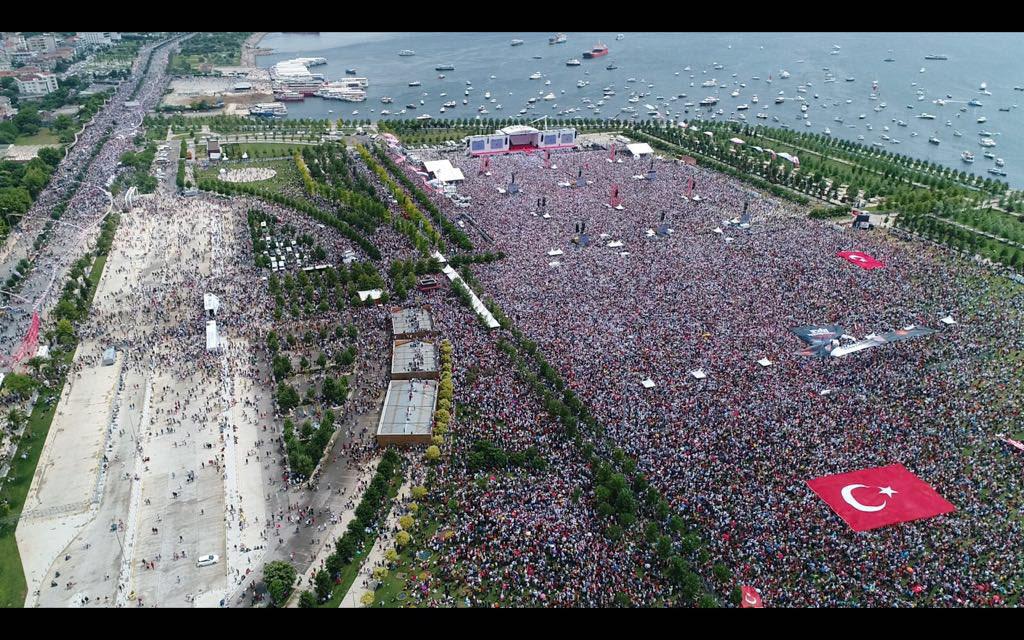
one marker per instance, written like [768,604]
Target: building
[98,38]
[36,84]
[414,359]
[211,305]
[41,43]
[408,413]
[6,110]
[213,149]
[411,323]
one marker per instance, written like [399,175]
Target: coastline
[250,49]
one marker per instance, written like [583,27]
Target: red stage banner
[873,498]
[862,260]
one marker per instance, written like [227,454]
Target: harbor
[803,83]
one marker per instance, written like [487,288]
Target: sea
[656,64]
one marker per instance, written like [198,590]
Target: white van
[206,561]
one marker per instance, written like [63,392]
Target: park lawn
[267,149]
[44,136]
[12,576]
[287,173]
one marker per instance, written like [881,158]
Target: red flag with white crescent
[751,599]
[877,497]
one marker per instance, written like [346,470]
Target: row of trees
[352,547]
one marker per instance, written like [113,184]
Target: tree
[307,600]
[65,331]
[279,577]
[402,538]
[324,585]
[433,453]
[367,599]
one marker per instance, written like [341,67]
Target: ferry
[516,43]
[937,56]
[268,110]
[573,62]
[406,53]
[444,67]
[415,83]
[558,38]
[289,96]
[598,51]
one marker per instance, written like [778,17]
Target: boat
[975,103]
[957,133]
[612,66]
[558,38]
[385,112]
[779,100]
[936,56]
[709,101]
[573,62]
[989,155]
[406,53]
[516,43]
[828,131]
[933,140]
[987,142]
[350,72]
[268,110]
[997,172]
[444,67]
[1000,162]
[425,116]
[753,99]
[620,37]
[743,107]
[410,106]
[1004,109]
[889,60]
[926,116]
[762,115]
[415,83]
[536,76]
[289,96]
[982,119]
[784,74]
[550,96]
[850,79]
[581,83]
[451,104]
[597,51]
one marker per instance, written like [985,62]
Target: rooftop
[408,408]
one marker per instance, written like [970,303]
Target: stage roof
[518,130]
[640,149]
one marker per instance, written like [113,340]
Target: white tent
[648,383]
[372,294]
[736,141]
[699,374]
[444,171]
[765,362]
[211,335]
[555,252]
[947,320]
[615,244]
[640,149]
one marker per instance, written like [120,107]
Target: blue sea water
[996,59]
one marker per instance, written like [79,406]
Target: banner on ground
[751,598]
[820,339]
[861,259]
[878,497]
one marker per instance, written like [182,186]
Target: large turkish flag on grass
[861,259]
[872,498]
[751,599]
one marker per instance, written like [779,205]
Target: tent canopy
[640,149]
[444,171]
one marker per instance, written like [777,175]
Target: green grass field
[44,136]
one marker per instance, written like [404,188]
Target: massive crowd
[733,451]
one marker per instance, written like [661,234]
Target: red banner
[751,598]
[861,259]
[872,498]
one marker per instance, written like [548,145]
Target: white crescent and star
[749,599]
[847,493]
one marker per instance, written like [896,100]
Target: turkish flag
[861,259]
[872,498]
[751,598]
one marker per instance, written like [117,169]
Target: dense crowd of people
[733,451]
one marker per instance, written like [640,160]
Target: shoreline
[250,49]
